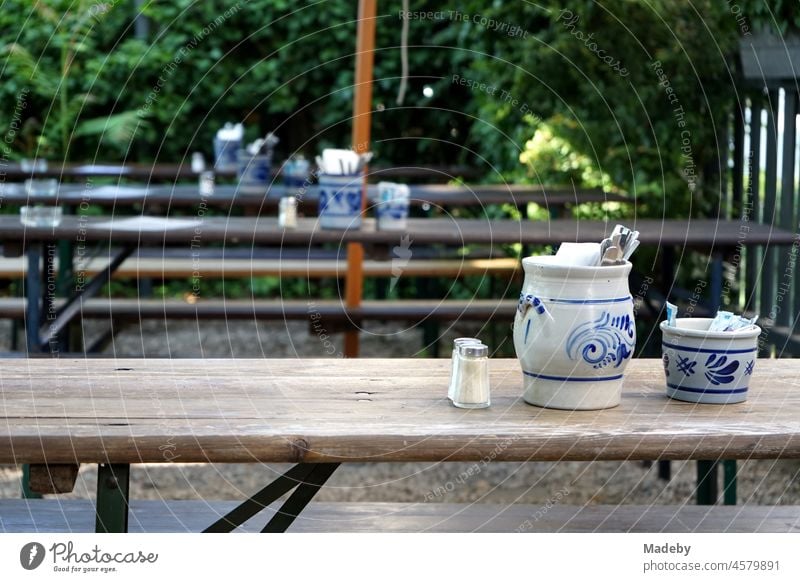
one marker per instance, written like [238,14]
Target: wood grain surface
[77,515]
[712,234]
[228,196]
[324,311]
[186,267]
[69,411]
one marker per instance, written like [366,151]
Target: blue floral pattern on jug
[344,202]
[392,210]
[720,371]
[603,341]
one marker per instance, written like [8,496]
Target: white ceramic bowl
[708,367]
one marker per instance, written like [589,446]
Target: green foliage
[551,159]
[622,126]
[579,74]
[778,17]
[48,65]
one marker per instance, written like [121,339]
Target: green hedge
[584,72]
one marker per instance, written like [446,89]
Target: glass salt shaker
[472,377]
[454,361]
[198,163]
[287,212]
[206,183]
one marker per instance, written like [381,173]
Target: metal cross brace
[307,478]
[75,303]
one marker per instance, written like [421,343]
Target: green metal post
[707,489]
[65,284]
[26,482]
[113,483]
[729,476]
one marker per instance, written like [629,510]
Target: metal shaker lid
[474,350]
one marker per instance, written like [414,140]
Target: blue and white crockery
[392,207]
[227,143]
[708,367]
[254,172]
[296,172]
[574,333]
[340,201]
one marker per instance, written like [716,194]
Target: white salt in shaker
[198,163]
[454,361]
[472,377]
[206,183]
[287,212]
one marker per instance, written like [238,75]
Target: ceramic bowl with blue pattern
[340,201]
[708,367]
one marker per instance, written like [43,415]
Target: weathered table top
[128,411]
[265,230]
[229,196]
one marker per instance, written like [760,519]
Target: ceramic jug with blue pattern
[574,333]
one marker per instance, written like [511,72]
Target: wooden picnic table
[227,196]
[165,172]
[59,413]
[687,233]
[364,410]
[130,233]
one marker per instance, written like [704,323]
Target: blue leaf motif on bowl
[720,371]
[603,341]
[686,366]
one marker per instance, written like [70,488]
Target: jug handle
[527,302]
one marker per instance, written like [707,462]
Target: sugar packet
[672,313]
[727,321]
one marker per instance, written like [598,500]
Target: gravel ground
[574,483]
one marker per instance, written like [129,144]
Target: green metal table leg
[113,483]
[729,477]
[707,489]
[269,494]
[26,482]
[306,479]
[301,497]
[66,282]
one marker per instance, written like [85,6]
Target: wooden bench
[325,412]
[155,199]
[328,316]
[218,268]
[276,309]
[162,516]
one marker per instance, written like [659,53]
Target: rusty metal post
[362,116]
